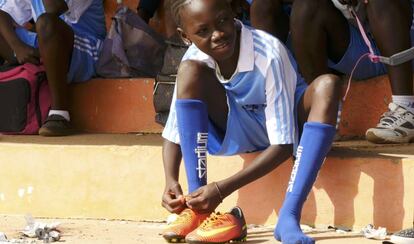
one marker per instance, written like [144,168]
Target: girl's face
[209,24]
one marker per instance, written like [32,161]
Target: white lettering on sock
[295,169]
[201,152]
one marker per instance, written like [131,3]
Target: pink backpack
[24,99]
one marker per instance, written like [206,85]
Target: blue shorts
[356,48]
[220,143]
[85,53]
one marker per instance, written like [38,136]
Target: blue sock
[192,119]
[313,147]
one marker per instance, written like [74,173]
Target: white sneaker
[403,237]
[395,126]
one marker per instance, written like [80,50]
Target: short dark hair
[176,6]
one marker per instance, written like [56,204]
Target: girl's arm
[22,52]
[172,198]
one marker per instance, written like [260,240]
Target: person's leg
[200,97]
[9,36]
[6,26]
[319,31]
[317,112]
[6,53]
[268,15]
[56,45]
[391,30]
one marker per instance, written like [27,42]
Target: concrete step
[126,105]
[114,106]
[121,177]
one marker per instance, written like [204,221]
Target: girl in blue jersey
[238,90]
[68,39]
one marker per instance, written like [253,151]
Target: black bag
[165,80]
[24,98]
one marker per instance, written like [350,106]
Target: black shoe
[56,125]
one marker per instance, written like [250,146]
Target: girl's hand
[173,199]
[205,199]
[26,54]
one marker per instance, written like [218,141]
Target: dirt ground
[123,232]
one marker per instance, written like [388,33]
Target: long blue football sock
[192,119]
[313,147]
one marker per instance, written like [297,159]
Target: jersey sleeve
[19,10]
[281,81]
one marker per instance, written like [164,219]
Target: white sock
[405,102]
[63,113]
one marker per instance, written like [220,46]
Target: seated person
[68,39]
[238,91]
[325,38]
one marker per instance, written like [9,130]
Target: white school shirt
[24,10]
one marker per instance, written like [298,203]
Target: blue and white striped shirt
[83,15]
[261,95]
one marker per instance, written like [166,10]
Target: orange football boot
[187,221]
[220,228]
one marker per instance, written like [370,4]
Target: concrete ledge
[114,106]
[366,102]
[121,177]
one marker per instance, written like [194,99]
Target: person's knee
[328,87]
[46,25]
[265,8]
[190,78]
[308,12]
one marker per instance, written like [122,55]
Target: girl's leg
[319,31]
[317,112]
[200,97]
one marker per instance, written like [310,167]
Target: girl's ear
[184,36]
